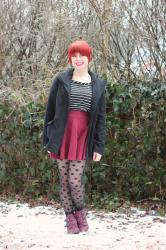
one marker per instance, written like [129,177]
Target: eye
[77,54]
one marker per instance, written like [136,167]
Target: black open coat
[57,112]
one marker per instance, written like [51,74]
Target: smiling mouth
[79,64]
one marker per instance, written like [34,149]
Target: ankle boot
[80,216]
[71,224]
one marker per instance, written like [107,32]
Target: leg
[76,169]
[65,194]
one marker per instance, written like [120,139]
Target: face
[79,61]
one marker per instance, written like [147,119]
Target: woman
[74,129]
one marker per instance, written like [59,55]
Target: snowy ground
[22,227]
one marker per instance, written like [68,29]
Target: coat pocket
[50,122]
[50,125]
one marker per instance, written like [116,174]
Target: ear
[70,63]
[90,58]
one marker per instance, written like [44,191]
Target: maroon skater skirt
[73,146]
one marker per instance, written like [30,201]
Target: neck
[80,72]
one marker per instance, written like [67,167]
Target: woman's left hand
[96,156]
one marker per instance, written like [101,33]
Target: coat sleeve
[50,109]
[100,129]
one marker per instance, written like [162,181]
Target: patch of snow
[43,227]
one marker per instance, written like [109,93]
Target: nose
[78,56]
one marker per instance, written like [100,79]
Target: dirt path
[22,227]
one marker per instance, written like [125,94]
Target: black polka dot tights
[71,184]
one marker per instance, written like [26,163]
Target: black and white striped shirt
[81,95]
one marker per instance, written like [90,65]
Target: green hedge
[25,167]
[133,166]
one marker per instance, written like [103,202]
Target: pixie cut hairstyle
[80,46]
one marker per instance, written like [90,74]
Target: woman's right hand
[48,152]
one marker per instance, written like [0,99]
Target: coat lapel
[96,91]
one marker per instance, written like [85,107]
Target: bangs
[80,46]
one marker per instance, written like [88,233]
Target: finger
[98,158]
[94,156]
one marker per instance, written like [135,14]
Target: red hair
[80,46]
